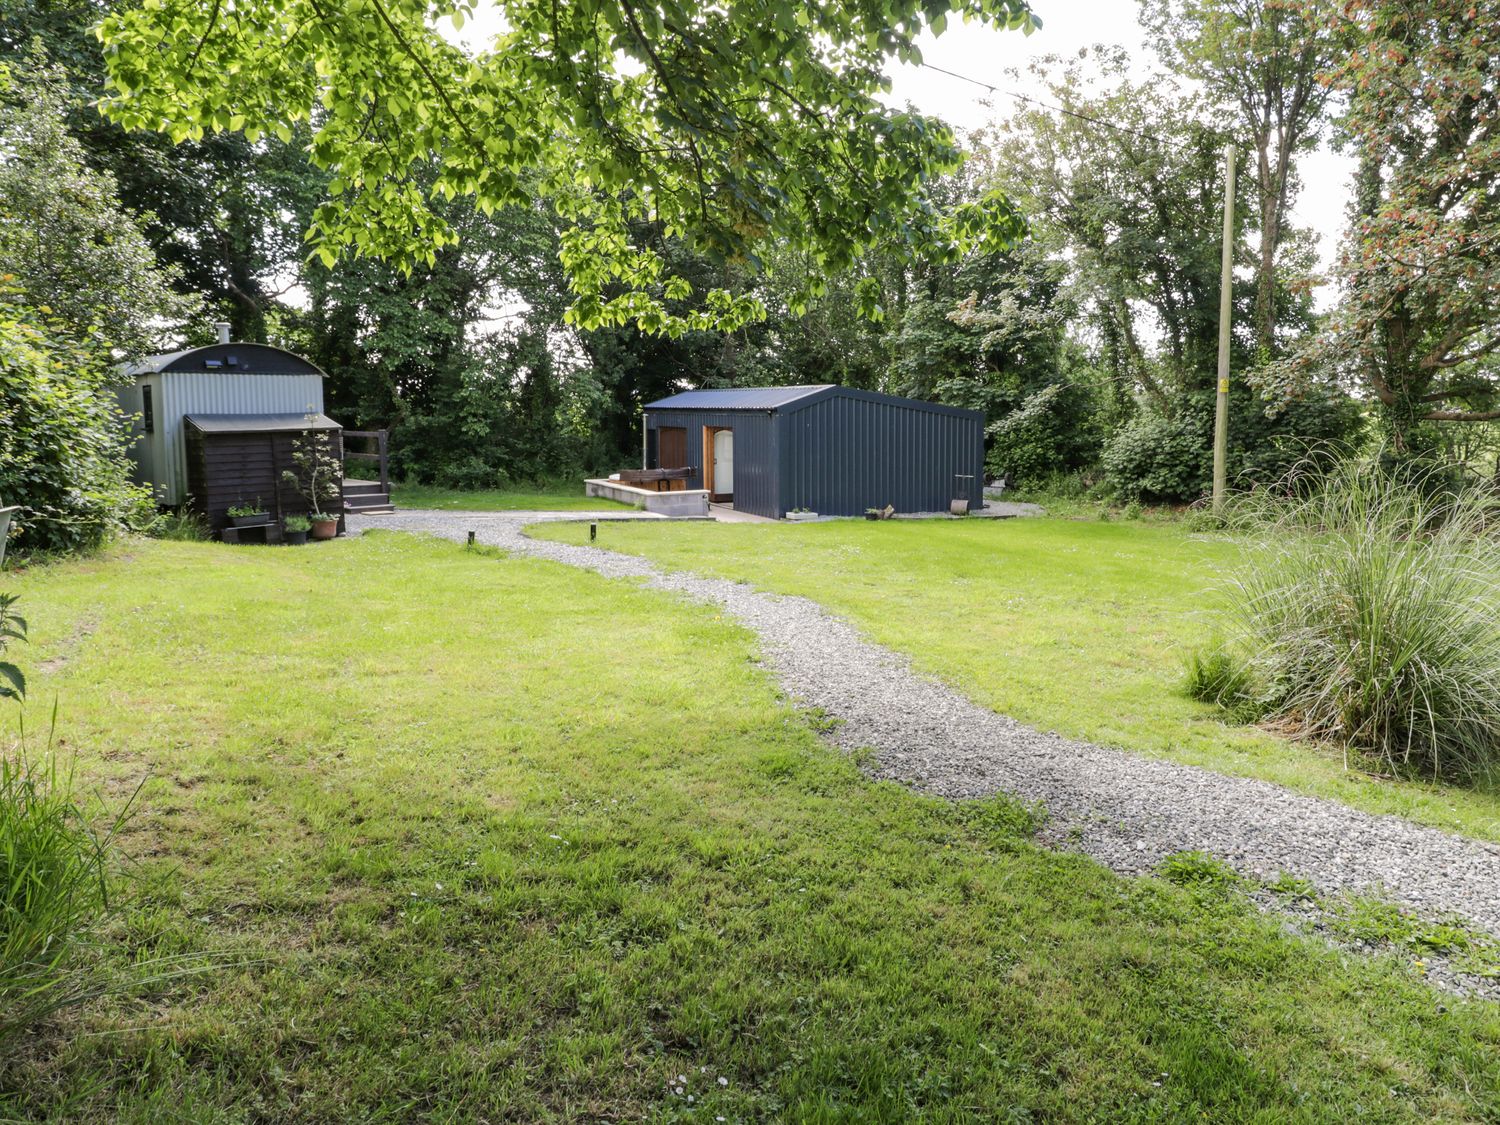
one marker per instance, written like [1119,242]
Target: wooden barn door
[671,447]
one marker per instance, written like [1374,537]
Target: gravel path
[1126,811]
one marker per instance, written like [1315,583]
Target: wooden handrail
[381,454]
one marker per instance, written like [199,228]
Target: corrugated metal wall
[755,458]
[221,392]
[142,456]
[843,454]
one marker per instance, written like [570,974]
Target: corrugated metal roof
[258,423]
[150,364]
[226,359]
[737,398]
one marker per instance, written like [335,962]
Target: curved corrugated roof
[249,359]
[737,398]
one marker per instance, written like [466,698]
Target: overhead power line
[992,88]
[1293,209]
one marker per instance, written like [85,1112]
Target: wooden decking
[366,496]
[369,496]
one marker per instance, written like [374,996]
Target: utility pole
[1226,311]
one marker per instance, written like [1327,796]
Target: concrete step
[363,488]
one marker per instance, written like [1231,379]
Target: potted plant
[317,474]
[324,526]
[872,513]
[249,515]
[295,529]
[802,514]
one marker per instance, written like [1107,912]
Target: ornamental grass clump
[1367,612]
[53,887]
[53,869]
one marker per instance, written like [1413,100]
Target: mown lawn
[562,496]
[479,839]
[1078,626]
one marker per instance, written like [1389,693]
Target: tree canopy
[1419,319]
[729,127]
[75,251]
[1265,60]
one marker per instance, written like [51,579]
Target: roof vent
[223,329]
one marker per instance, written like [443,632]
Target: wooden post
[385,476]
[1226,313]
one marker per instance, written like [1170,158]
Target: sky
[1068,26]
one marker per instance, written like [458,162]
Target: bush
[1219,676]
[469,473]
[1367,611]
[1156,458]
[62,441]
[182,524]
[1049,433]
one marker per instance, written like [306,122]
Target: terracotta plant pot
[325,529]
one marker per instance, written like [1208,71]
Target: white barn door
[723,463]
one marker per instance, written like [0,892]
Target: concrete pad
[685,502]
[725,513]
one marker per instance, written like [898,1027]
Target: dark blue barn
[834,450]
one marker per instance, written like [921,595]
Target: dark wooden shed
[239,459]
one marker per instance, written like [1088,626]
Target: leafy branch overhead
[731,127]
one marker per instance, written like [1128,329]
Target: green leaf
[12,682]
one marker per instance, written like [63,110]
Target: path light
[593,531]
[471,539]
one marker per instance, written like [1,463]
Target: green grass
[560,496]
[531,844]
[1077,626]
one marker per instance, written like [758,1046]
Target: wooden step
[367,502]
[363,488]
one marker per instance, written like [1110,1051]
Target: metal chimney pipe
[223,329]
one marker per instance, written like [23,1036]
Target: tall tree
[733,127]
[1419,319]
[1263,58]
[73,250]
[228,214]
[1125,183]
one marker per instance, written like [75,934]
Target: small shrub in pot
[248,515]
[316,475]
[324,526]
